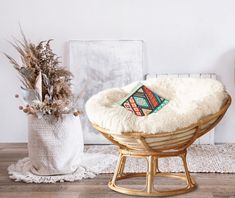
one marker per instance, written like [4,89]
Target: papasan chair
[195,106]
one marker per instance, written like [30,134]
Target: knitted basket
[55,146]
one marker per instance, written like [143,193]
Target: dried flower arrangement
[46,85]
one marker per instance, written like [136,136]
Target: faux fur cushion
[142,101]
[190,99]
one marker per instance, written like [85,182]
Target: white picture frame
[102,64]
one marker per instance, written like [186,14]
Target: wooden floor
[210,185]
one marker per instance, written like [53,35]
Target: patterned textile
[142,101]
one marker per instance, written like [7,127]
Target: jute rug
[102,159]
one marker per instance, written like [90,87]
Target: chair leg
[156,166]
[118,168]
[189,179]
[150,174]
[123,162]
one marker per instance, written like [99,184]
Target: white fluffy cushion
[190,99]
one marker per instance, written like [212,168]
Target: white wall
[180,35]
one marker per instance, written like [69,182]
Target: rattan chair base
[153,171]
[143,192]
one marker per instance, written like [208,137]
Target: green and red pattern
[142,101]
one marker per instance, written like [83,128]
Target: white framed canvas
[102,64]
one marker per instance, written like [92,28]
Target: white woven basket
[55,145]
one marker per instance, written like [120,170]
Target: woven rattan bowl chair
[155,146]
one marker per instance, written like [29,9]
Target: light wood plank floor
[210,185]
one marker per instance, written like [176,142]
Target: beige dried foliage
[56,80]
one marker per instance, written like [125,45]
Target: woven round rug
[102,159]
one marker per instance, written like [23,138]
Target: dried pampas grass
[46,83]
